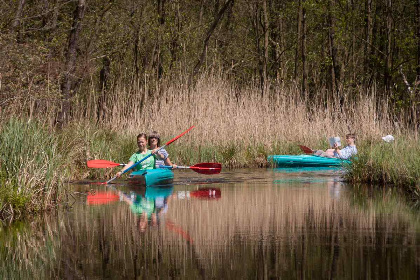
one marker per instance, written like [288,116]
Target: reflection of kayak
[155,192]
[152,177]
[305,160]
[306,169]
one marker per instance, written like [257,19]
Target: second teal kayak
[305,161]
[152,177]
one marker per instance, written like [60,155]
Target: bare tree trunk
[174,46]
[388,62]
[333,49]
[18,15]
[368,39]
[17,21]
[67,85]
[216,21]
[418,42]
[103,88]
[266,45]
[257,37]
[298,32]
[303,52]
[161,22]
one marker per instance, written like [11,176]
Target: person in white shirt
[349,150]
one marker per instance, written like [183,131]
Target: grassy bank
[396,163]
[37,161]
[236,127]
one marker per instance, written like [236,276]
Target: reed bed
[30,167]
[248,232]
[237,127]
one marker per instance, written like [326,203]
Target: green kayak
[305,161]
[152,177]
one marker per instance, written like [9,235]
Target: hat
[388,138]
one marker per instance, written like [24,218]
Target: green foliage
[30,165]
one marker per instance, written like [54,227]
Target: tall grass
[30,167]
[396,163]
[237,127]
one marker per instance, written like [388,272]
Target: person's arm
[158,154]
[344,153]
[128,165]
[168,162]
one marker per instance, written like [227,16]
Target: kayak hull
[305,161]
[152,177]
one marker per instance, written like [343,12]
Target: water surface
[242,224]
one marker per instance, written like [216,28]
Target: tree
[68,82]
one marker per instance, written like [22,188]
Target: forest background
[255,77]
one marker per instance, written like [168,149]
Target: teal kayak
[305,161]
[152,177]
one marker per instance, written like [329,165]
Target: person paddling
[162,156]
[143,152]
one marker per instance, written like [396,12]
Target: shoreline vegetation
[237,128]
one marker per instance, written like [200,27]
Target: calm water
[246,224]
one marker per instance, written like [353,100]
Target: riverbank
[396,163]
[37,160]
[237,127]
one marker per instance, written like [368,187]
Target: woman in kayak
[143,152]
[162,156]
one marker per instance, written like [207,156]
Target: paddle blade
[100,163]
[306,150]
[208,168]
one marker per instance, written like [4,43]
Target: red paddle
[306,150]
[208,168]
[100,163]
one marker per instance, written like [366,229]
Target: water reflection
[323,229]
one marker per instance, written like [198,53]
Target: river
[240,224]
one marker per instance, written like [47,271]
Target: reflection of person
[162,156]
[143,152]
[149,207]
[334,188]
[345,153]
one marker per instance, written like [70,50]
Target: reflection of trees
[251,232]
